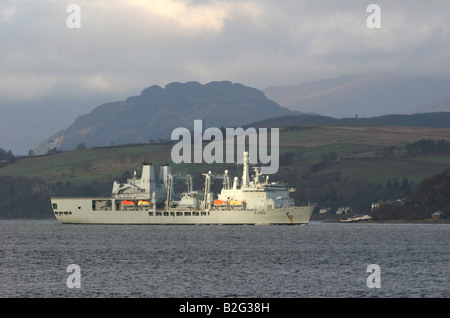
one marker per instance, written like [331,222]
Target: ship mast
[245,172]
[207,196]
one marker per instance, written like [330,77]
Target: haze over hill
[157,111]
[221,104]
[366,95]
[53,71]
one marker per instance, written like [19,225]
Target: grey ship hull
[137,202]
[85,211]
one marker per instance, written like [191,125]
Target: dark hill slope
[436,120]
[157,111]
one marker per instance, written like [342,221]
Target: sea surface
[198,261]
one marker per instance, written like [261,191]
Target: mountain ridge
[431,119]
[365,95]
[153,114]
[157,110]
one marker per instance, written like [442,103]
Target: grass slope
[357,147]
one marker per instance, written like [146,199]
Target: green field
[332,165]
[356,147]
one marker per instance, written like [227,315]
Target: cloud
[124,46]
[153,42]
[210,16]
[116,38]
[7,13]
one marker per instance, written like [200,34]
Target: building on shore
[438,215]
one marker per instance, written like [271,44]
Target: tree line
[22,197]
[25,198]
[423,147]
[6,157]
[430,195]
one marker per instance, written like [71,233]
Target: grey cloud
[125,46]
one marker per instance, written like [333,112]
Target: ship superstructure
[148,200]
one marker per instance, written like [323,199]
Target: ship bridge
[253,192]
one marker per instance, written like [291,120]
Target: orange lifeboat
[143,202]
[220,202]
[128,203]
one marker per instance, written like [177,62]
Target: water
[318,260]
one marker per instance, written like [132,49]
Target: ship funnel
[147,181]
[164,174]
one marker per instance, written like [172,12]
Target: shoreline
[330,220]
[421,221]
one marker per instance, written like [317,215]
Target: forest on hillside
[22,197]
[6,157]
[30,197]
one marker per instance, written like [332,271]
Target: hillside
[157,111]
[437,106]
[332,164]
[365,95]
[436,120]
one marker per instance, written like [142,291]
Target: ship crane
[170,183]
[188,181]
[209,179]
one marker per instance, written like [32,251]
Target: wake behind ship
[150,201]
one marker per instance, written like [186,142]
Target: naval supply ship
[147,200]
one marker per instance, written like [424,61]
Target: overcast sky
[124,46]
